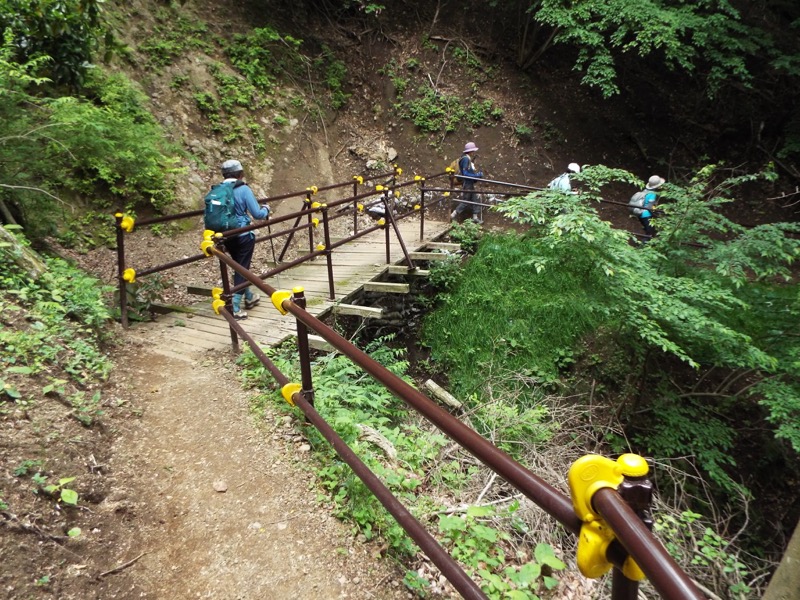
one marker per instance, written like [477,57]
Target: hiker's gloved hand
[479,174]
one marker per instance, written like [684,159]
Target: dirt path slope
[265,536]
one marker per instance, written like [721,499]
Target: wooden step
[403,270]
[386,288]
[428,255]
[318,343]
[443,246]
[367,312]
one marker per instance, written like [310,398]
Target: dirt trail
[265,536]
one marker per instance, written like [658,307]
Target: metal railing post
[356,181]
[228,297]
[310,224]
[326,236]
[638,493]
[299,296]
[421,208]
[123,288]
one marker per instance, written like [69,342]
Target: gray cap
[231,166]
[655,182]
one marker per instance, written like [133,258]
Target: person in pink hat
[467,173]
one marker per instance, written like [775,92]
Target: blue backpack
[220,211]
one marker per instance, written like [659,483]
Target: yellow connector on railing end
[417,207]
[359,179]
[587,475]
[206,246]
[379,188]
[593,542]
[278,296]
[289,390]
[360,207]
[419,178]
[216,293]
[316,205]
[315,222]
[397,193]
[216,304]
[320,247]
[398,170]
[129,275]
[449,170]
[381,221]
[313,189]
[298,289]
[127,223]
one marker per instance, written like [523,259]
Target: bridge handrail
[632,536]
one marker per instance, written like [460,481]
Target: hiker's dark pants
[241,249]
[468,195]
[649,229]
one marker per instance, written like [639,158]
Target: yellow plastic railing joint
[298,289]
[398,170]
[360,207]
[449,170]
[216,304]
[289,390]
[316,205]
[587,475]
[315,222]
[216,293]
[313,189]
[417,207]
[127,223]
[129,275]
[397,193]
[320,247]
[381,221]
[359,179]
[419,178]
[278,296]
[379,188]
[446,194]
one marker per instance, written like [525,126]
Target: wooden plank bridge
[198,330]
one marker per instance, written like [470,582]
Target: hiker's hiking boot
[477,219]
[239,315]
[252,302]
[453,215]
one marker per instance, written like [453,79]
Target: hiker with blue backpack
[227,207]
[466,167]
[562,182]
[643,204]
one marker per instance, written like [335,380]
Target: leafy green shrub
[173,36]
[69,32]
[64,319]
[263,54]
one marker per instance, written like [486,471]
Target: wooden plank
[358,311]
[318,343]
[403,270]
[198,290]
[443,246]
[386,287]
[428,255]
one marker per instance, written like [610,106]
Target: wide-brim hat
[470,147]
[655,182]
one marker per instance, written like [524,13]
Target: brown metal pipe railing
[171,265]
[163,218]
[633,535]
[427,543]
[546,496]
[661,569]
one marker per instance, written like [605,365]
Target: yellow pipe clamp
[587,475]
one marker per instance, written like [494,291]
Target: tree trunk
[785,582]
[22,256]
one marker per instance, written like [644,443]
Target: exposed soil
[184,493]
